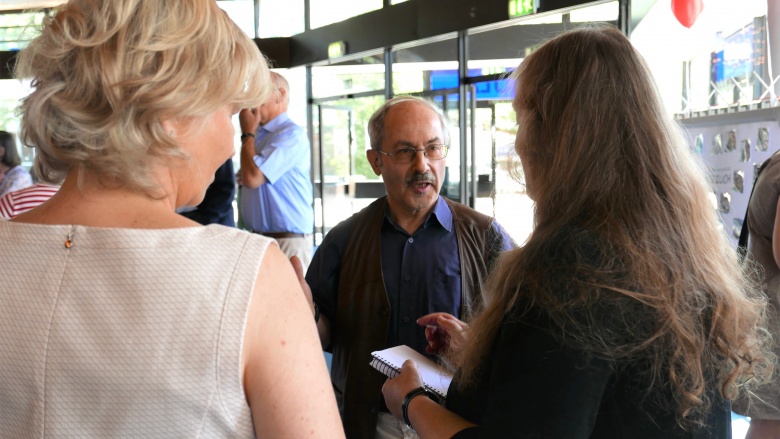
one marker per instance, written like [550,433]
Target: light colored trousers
[388,427]
[301,247]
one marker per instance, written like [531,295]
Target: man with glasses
[407,255]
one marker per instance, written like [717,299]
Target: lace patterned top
[126,333]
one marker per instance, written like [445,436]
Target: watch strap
[408,399]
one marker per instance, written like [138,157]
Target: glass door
[334,161]
[496,180]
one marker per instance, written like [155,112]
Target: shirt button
[411,240]
[406,319]
[406,278]
[383,311]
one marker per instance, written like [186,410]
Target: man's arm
[499,241]
[323,278]
[323,323]
[251,176]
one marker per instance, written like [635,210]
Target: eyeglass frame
[416,150]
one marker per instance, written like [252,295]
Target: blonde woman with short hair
[119,317]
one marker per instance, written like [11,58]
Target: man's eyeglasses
[407,155]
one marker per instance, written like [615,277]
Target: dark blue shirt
[217,204]
[421,272]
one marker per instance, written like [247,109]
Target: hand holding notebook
[435,377]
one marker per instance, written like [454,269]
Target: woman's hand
[395,389]
[428,418]
[444,332]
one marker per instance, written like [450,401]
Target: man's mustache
[426,177]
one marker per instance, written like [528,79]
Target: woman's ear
[174,127]
[169,127]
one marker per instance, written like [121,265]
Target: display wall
[732,147]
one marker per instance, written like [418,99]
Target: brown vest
[363,309]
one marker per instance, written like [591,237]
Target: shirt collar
[276,122]
[441,214]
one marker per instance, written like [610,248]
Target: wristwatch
[408,398]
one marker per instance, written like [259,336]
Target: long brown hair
[610,172]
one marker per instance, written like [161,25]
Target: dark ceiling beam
[401,23]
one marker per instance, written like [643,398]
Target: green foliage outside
[362,109]
[17,29]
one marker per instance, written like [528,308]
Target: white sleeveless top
[127,333]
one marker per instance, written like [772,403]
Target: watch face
[762,144]
[698,144]
[744,151]
[717,144]
[724,202]
[736,228]
[731,141]
[739,181]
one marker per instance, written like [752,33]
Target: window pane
[349,183]
[720,61]
[489,53]
[324,12]
[17,29]
[431,66]
[281,18]
[602,12]
[499,189]
[359,75]
[430,70]
[11,91]
[242,12]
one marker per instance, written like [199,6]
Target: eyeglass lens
[432,152]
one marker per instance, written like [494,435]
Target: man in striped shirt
[14,203]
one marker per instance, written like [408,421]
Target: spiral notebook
[435,377]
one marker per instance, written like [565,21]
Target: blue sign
[490,90]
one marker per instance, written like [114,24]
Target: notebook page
[435,377]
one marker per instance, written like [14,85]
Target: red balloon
[687,11]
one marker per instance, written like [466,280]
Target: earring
[171,133]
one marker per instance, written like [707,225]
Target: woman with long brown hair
[626,313]
[120,317]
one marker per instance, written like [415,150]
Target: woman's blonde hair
[627,257]
[106,73]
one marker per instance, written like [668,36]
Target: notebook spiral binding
[381,365]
